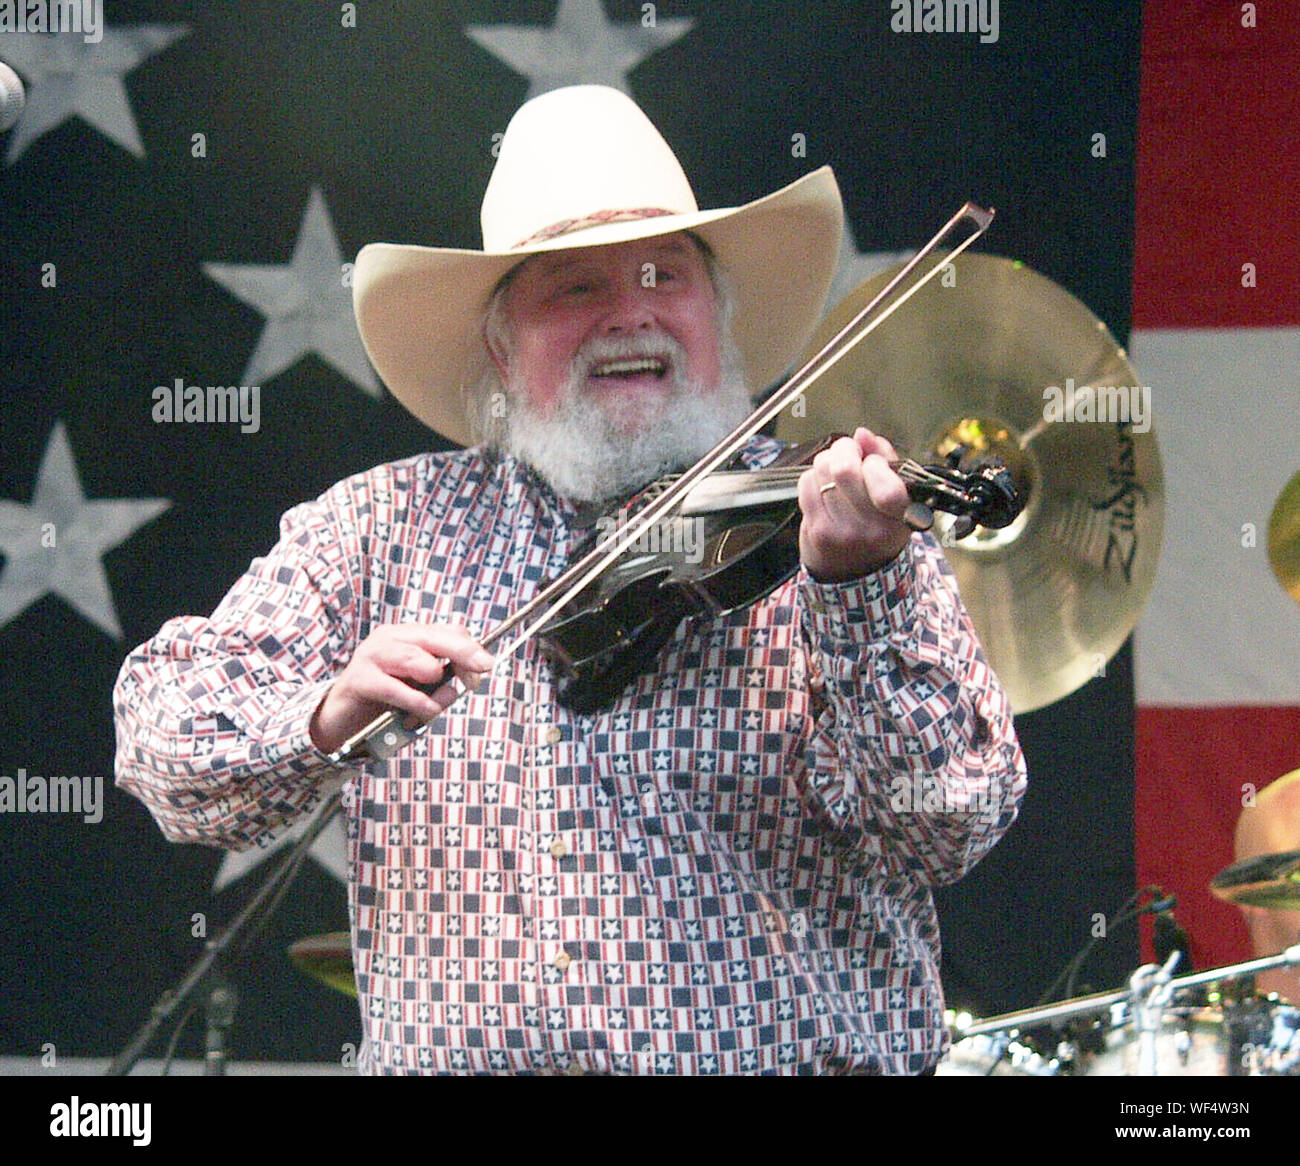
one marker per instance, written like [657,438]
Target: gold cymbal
[327,958]
[1001,359]
[1268,880]
[1284,538]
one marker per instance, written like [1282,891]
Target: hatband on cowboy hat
[582,167]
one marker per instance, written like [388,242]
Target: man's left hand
[855,525]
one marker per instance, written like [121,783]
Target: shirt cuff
[287,743]
[878,605]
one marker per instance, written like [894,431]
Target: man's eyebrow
[675,246]
[548,264]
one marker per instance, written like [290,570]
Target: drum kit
[1209,1024]
[1053,596]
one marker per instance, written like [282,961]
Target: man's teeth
[622,368]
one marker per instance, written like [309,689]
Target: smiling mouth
[627,369]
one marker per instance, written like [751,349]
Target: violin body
[703,564]
[719,553]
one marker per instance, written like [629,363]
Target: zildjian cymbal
[327,958]
[999,359]
[1284,538]
[1268,880]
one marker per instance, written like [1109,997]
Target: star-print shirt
[726,871]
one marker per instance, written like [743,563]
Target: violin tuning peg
[918,516]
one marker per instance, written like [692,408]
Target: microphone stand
[1151,987]
[207,978]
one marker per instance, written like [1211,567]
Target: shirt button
[563,960]
[553,735]
[558,849]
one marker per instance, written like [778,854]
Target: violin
[732,541]
[601,644]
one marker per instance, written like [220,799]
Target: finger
[843,467]
[439,700]
[422,656]
[431,676]
[447,642]
[885,490]
[869,443]
[471,679]
[812,499]
[409,662]
[394,693]
[817,488]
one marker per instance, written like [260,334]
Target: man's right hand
[382,673]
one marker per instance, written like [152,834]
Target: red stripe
[1218,179]
[1192,764]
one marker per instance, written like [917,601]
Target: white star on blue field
[69,77]
[582,47]
[55,544]
[307,306]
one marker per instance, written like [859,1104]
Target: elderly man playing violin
[727,866]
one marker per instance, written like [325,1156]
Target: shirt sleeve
[213,714]
[914,742]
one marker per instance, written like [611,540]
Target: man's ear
[497,356]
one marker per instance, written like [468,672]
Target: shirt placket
[556,952]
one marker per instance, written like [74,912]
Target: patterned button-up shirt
[727,871]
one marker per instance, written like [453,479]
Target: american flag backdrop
[181,202]
[1216,333]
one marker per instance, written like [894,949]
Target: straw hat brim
[420,309]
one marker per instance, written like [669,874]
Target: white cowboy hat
[579,167]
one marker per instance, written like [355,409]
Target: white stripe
[1219,629]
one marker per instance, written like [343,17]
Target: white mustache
[606,350]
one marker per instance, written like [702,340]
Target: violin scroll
[983,495]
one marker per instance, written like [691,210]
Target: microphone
[1169,937]
[12,97]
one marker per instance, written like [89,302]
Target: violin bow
[388,733]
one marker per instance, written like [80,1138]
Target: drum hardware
[209,977]
[1157,1026]
[1100,1002]
[1151,989]
[1004,1055]
[1184,1040]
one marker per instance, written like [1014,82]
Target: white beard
[594,451]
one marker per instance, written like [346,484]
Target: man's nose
[629,308]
